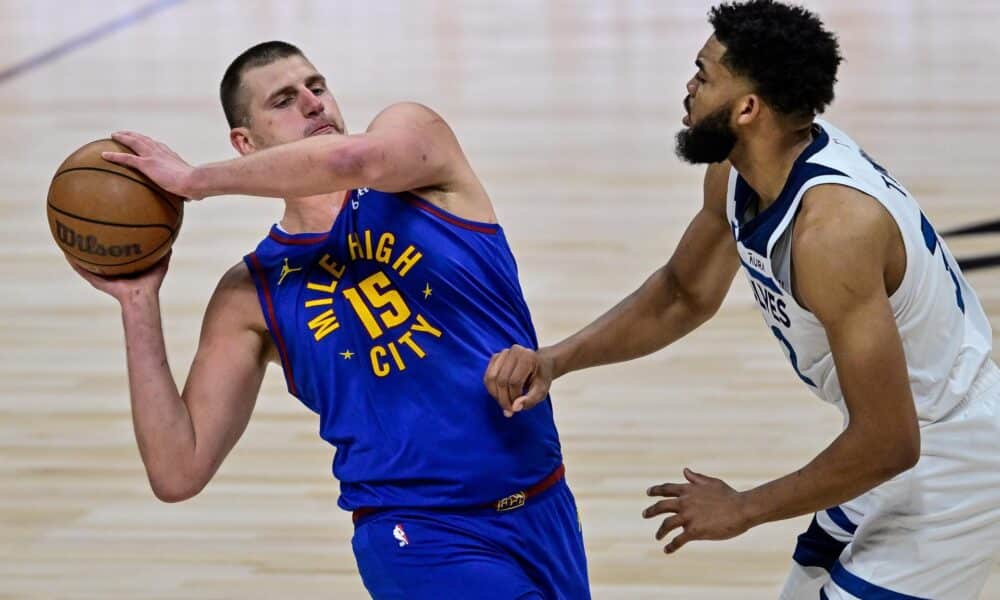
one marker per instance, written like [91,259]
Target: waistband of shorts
[507,503]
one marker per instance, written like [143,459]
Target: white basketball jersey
[946,336]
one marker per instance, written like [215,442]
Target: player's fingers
[87,275]
[537,390]
[695,477]
[135,135]
[491,380]
[167,150]
[670,505]
[100,283]
[668,525]
[676,543]
[131,139]
[490,376]
[490,373]
[121,158]
[521,369]
[667,489]
[507,389]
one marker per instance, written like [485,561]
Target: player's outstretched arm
[407,146]
[841,245]
[674,301]
[183,438]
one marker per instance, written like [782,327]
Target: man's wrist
[138,298]
[557,356]
[195,183]
[752,508]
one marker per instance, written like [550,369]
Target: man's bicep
[706,260]
[227,371]
[839,275]
[871,370]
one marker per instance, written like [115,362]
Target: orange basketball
[110,219]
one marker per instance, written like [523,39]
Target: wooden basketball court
[567,109]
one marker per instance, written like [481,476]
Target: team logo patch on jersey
[400,535]
[287,270]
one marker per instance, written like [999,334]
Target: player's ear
[747,109]
[240,138]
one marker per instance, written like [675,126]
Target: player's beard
[709,141]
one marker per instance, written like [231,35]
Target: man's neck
[765,161]
[311,214]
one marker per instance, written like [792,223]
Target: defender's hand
[513,370]
[155,160]
[705,508]
[122,288]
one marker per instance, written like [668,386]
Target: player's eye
[318,91]
[699,78]
[283,102]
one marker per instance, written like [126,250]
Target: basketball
[110,219]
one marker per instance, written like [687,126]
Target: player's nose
[311,105]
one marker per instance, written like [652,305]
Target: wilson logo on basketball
[90,245]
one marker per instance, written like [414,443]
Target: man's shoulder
[716,186]
[717,176]
[406,113]
[235,298]
[237,278]
[839,212]
[840,235]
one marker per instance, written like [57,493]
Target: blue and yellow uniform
[385,326]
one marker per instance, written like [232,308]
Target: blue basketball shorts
[534,552]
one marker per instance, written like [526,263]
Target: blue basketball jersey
[385,326]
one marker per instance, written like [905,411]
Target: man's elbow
[704,308]
[902,455]
[361,161]
[699,305]
[176,490]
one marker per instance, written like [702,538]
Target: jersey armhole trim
[443,215]
[904,283]
[267,304]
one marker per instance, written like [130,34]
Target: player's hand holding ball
[156,161]
[110,219]
[143,286]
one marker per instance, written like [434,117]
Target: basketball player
[862,296]
[382,294]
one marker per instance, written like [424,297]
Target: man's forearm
[163,427]
[847,468]
[655,315]
[315,165]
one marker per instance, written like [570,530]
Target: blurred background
[567,110]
